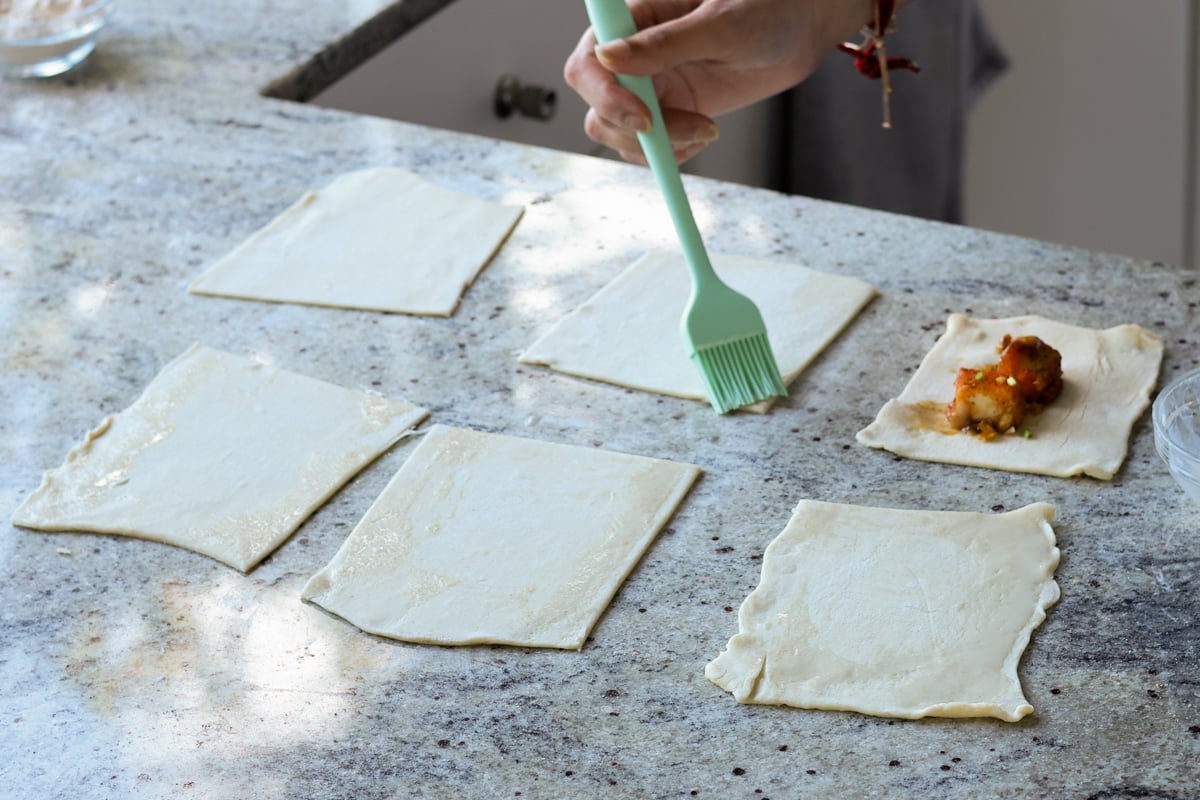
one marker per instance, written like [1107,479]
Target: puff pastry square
[483,538]
[894,613]
[628,332]
[379,239]
[221,454]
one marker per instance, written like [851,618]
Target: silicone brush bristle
[739,373]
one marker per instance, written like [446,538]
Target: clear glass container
[1176,416]
[40,38]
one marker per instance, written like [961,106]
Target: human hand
[705,57]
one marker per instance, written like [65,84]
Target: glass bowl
[40,38]
[1176,416]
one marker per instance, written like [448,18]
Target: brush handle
[611,19]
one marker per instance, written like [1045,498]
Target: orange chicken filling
[996,399]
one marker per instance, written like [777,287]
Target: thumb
[658,48]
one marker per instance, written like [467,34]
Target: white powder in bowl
[31,19]
[45,37]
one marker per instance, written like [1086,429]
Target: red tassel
[867,62]
[871,59]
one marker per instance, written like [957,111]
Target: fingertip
[633,157]
[688,127]
[689,151]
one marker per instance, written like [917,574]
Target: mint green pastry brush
[722,329]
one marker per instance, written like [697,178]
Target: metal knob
[534,102]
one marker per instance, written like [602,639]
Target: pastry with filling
[1107,378]
[484,538]
[221,454]
[628,333]
[380,239]
[894,613]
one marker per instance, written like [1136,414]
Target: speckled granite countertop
[133,669]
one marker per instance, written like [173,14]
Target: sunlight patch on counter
[91,299]
[12,237]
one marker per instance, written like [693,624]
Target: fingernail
[635,122]
[607,52]
[709,134]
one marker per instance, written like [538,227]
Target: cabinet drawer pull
[532,101]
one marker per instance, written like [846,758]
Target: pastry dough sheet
[379,239]
[628,332]
[1108,376]
[483,538]
[221,455]
[894,613]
